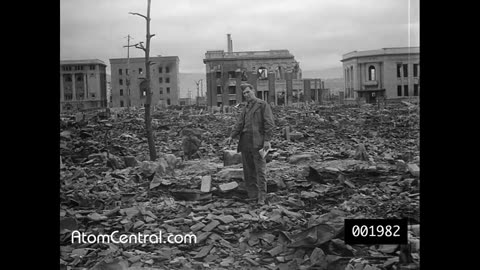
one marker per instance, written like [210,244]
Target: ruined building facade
[128,77]
[389,73]
[275,74]
[83,85]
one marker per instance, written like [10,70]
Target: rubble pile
[328,164]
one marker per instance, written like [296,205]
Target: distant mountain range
[333,78]
[328,73]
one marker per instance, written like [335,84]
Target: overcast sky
[316,32]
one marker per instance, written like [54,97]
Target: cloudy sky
[316,32]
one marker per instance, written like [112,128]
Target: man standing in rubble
[255,127]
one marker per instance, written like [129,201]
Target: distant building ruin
[129,73]
[390,73]
[275,74]
[83,85]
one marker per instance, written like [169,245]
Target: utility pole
[146,83]
[198,93]
[128,70]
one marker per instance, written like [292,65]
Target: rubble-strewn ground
[315,183]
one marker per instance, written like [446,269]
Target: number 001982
[376,231]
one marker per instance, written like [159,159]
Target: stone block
[206,183]
[294,159]
[231,157]
[295,136]
[130,161]
[414,169]
[230,173]
[228,186]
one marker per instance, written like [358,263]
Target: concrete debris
[231,157]
[330,163]
[414,169]
[228,186]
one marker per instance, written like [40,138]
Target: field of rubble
[328,164]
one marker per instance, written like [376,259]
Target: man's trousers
[254,167]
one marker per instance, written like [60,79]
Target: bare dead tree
[148,117]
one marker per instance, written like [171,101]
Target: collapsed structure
[275,74]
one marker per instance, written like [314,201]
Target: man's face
[248,94]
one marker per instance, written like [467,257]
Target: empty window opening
[219,89]
[161,90]
[231,74]
[232,89]
[415,70]
[168,90]
[160,69]
[120,72]
[120,81]
[371,73]
[262,73]
[121,92]
[399,90]
[244,75]
[167,70]
[168,101]
[399,70]
[160,80]
[405,90]
[167,80]
[121,103]
[218,74]
[415,89]
[405,70]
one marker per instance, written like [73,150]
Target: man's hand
[266,145]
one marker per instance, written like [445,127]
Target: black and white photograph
[267,135]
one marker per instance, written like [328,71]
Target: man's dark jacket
[262,123]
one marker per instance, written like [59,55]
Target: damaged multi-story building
[391,74]
[83,85]
[128,81]
[275,74]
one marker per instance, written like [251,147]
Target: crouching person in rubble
[255,128]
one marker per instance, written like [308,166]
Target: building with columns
[275,74]
[392,74]
[83,85]
[128,75]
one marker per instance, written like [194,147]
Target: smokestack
[229,43]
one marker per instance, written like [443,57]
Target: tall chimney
[229,43]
